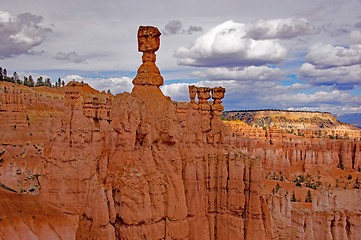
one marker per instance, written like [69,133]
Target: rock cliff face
[330,168]
[87,165]
[284,151]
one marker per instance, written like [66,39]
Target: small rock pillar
[217,95]
[204,93]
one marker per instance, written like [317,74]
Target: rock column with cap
[148,43]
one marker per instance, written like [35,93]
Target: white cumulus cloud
[227,45]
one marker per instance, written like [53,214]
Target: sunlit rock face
[81,164]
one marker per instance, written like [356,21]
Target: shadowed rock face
[134,166]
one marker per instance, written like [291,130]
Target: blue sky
[281,54]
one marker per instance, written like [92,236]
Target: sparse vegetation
[340,166]
[28,81]
[357,184]
[308,181]
[308,196]
[275,189]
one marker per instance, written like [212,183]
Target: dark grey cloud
[176,27]
[173,27]
[193,29]
[71,56]
[358,25]
[279,29]
[20,34]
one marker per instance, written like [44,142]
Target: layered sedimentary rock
[288,157]
[87,165]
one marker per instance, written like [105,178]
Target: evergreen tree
[47,82]
[31,81]
[62,83]
[5,77]
[308,196]
[293,198]
[277,187]
[39,82]
[59,82]
[26,81]
[16,78]
[1,74]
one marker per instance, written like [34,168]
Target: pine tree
[26,81]
[31,81]
[47,82]
[308,196]
[16,78]
[1,74]
[293,198]
[277,187]
[39,82]
[59,82]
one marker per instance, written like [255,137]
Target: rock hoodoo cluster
[80,164]
[203,94]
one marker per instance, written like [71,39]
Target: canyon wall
[283,151]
